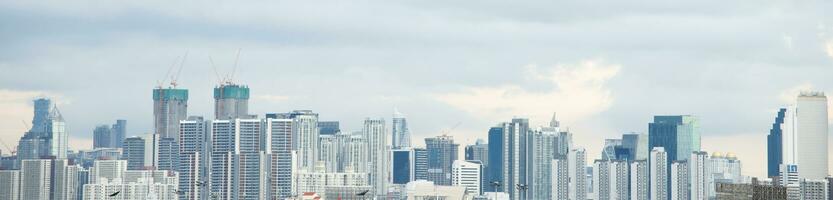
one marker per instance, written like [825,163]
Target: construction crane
[446,131]
[175,77]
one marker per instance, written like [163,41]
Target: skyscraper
[119,132]
[442,152]
[403,166]
[679,180]
[10,184]
[659,173]
[509,144]
[639,184]
[35,179]
[601,179]
[700,176]
[239,161]
[542,154]
[102,137]
[774,144]
[170,105]
[134,152]
[480,152]
[192,157]
[328,127]
[560,179]
[305,137]
[577,160]
[636,146]
[374,132]
[47,137]
[811,114]
[282,149]
[231,101]
[420,164]
[400,132]
[678,135]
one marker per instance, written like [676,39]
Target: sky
[605,68]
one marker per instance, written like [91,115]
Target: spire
[397,114]
[554,122]
[55,114]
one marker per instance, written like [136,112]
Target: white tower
[811,143]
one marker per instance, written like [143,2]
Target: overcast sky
[605,69]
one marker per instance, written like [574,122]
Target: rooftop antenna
[219,80]
[176,76]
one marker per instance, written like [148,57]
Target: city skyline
[102,79]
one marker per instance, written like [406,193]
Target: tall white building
[280,145]
[318,180]
[811,143]
[700,175]
[9,184]
[305,137]
[659,173]
[789,178]
[577,160]
[64,180]
[679,180]
[193,150]
[601,179]
[374,132]
[639,184]
[467,174]
[239,163]
[35,179]
[619,179]
[543,151]
[560,179]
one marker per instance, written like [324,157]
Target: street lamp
[522,189]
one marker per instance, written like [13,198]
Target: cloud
[828,48]
[578,91]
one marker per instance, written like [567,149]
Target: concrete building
[35,179]
[238,159]
[231,101]
[467,174]
[192,162]
[442,152]
[577,186]
[814,189]
[135,184]
[560,179]
[659,174]
[134,152]
[375,135]
[753,191]
[282,149]
[812,141]
[170,105]
[9,184]
[639,180]
[700,176]
[318,180]
[542,154]
[680,180]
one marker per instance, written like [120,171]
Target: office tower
[134,152]
[679,180]
[170,105]
[57,134]
[601,179]
[35,179]
[479,151]
[42,109]
[812,137]
[509,143]
[231,101]
[328,127]
[560,179]
[635,145]
[609,150]
[815,189]
[442,152]
[119,132]
[305,137]
[678,135]
[467,174]
[725,168]
[420,164]
[400,132]
[577,161]
[9,184]
[374,132]
[639,189]
[403,166]
[47,137]
[789,178]
[167,154]
[700,175]
[280,145]
[543,151]
[192,160]
[564,139]
[102,138]
[774,144]
[659,173]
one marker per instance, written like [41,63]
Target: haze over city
[455,67]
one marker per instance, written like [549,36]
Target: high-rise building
[47,137]
[679,180]
[609,150]
[374,132]
[442,152]
[231,101]
[403,166]
[192,162]
[167,150]
[577,187]
[812,125]
[479,151]
[134,152]
[170,105]
[789,178]
[305,137]
[542,154]
[601,179]
[659,173]
[119,132]
[328,127]
[35,179]
[135,184]
[238,159]
[102,137]
[560,179]
[639,183]
[467,174]
[107,171]
[420,164]
[774,145]
[634,146]
[318,180]
[401,134]
[679,135]
[282,149]
[10,184]
[755,190]
[814,189]
[700,176]
[509,144]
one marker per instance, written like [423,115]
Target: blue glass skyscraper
[774,146]
[679,135]
[402,166]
